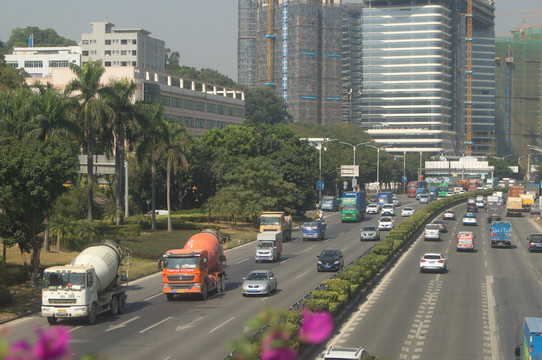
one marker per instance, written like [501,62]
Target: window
[165,100]
[107,53]
[230,111]
[124,42]
[33,64]
[189,121]
[200,106]
[123,63]
[134,41]
[134,52]
[189,104]
[211,124]
[220,109]
[85,52]
[107,42]
[199,124]
[133,63]
[124,52]
[58,63]
[93,52]
[13,64]
[177,102]
[107,63]
[211,108]
[84,42]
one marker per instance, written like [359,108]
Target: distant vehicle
[396,201]
[465,241]
[259,282]
[330,203]
[407,211]
[385,197]
[535,242]
[450,193]
[344,353]
[442,225]
[501,232]
[388,210]
[385,223]
[268,246]
[158,212]
[373,209]
[354,204]
[330,260]
[469,219]
[449,215]
[431,232]
[314,230]
[370,232]
[424,198]
[472,207]
[532,339]
[480,201]
[433,261]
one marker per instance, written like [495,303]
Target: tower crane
[270,43]
[468,72]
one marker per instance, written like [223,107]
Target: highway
[153,328]
[474,310]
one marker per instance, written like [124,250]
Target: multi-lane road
[152,327]
[474,310]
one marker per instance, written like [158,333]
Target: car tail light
[531,244]
[423,260]
[441,261]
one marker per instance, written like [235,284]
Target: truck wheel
[91,317]
[204,293]
[220,284]
[170,297]
[114,306]
[122,303]
[51,320]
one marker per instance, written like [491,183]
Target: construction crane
[468,72]
[523,28]
[270,43]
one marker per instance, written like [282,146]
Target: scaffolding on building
[518,74]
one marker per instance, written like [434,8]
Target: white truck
[268,246]
[87,287]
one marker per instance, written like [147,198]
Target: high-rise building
[294,46]
[123,47]
[518,92]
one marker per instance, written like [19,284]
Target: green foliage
[11,78]
[5,296]
[331,296]
[263,106]
[42,38]
[293,317]
[316,304]
[13,275]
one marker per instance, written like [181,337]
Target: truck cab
[314,230]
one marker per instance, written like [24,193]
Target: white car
[407,211]
[388,210]
[344,353]
[433,261]
[385,223]
[469,219]
[396,201]
[372,209]
[449,215]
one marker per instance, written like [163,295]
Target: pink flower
[52,343]
[19,350]
[275,346]
[316,327]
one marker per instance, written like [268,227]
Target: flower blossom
[316,327]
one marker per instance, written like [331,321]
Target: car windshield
[369,228]
[387,206]
[432,227]
[311,224]
[181,262]
[372,205]
[265,244]
[350,207]
[270,220]
[385,219]
[432,257]
[408,209]
[63,280]
[257,276]
[329,254]
[536,238]
[469,215]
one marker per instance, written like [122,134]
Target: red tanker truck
[196,269]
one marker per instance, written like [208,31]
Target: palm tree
[91,111]
[15,113]
[119,97]
[150,138]
[175,147]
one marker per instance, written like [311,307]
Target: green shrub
[293,317]
[330,296]
[5,296]
[316,304]
[338,285]
[13,275]
[334,308]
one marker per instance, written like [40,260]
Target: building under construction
[417,74]
[518,75]
[294,46]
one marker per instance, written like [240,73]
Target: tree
[31,178]
[150,140]
[172,61]
[91,112]
[119,96]
[175,147]
[47,37]
[263,106]
[11,78]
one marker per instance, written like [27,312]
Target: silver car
[370,232]
[259,282]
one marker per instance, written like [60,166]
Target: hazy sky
[204,32]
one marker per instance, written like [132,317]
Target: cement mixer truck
[86,288]
[197,269]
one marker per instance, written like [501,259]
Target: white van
[344,353]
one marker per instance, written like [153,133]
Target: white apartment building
[38,62]
[123,47]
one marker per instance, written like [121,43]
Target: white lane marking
[152,297]
[307,249]
[189,324]
[241,261]
[491,316]
[283,261]
[121,325]
[339,234]
[158,323]
[224,323]
[75,328]
[302,274]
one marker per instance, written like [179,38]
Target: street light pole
[377,162]
[404,171]
[319,142]
[354,158]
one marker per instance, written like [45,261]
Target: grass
[146,249]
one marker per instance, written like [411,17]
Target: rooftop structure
[38,61]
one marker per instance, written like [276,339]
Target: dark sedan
[330,260]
